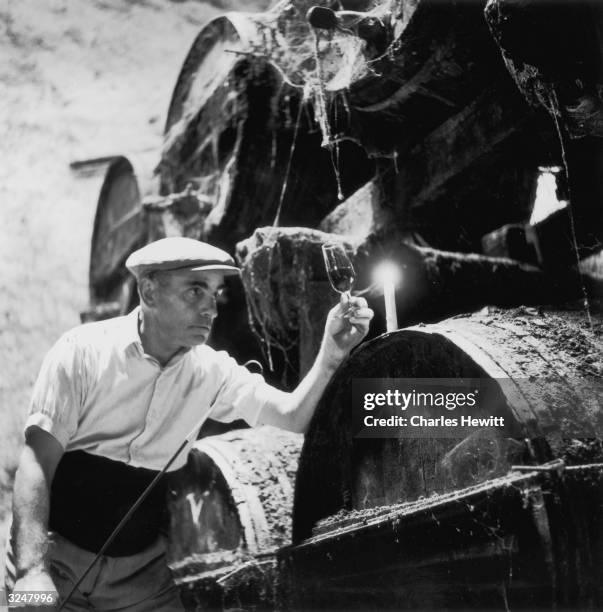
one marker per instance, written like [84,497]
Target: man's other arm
[31,503]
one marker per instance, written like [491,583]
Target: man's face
[185,305]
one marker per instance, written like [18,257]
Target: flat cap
[179,253]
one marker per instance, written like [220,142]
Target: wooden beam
[458,145]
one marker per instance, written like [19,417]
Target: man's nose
[211,307]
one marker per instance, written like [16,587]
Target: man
[113,401]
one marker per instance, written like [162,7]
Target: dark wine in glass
[339,268]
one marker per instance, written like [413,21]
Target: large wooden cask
[242,132]
[119,228]
[502,516]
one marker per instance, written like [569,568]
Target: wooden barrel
[241,133]
[233,499]
[119,228]
[438,523]
[547,369]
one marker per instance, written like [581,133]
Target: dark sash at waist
[91,494]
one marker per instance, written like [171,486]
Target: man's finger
[358,302]
[360,325]
[363,320]
[359,313]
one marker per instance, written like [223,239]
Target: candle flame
[387,273]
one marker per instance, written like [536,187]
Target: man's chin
[198,336]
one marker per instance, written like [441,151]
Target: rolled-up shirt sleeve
[59,391]
[244,395]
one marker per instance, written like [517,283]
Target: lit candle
[387,274]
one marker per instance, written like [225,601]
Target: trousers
[136,583]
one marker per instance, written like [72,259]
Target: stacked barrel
[399,130]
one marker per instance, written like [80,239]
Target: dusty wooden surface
[522,540]
[410,523]
[554,360]
[230,508]
[235,495]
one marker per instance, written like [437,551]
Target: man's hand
[35,581]
[347,324]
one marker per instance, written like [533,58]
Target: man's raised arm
[31,503]
[346,326]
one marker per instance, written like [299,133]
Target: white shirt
[99,392]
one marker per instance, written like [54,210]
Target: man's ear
[147,289]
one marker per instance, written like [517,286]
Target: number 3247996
[32,597]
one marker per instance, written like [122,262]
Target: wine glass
[339,269]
